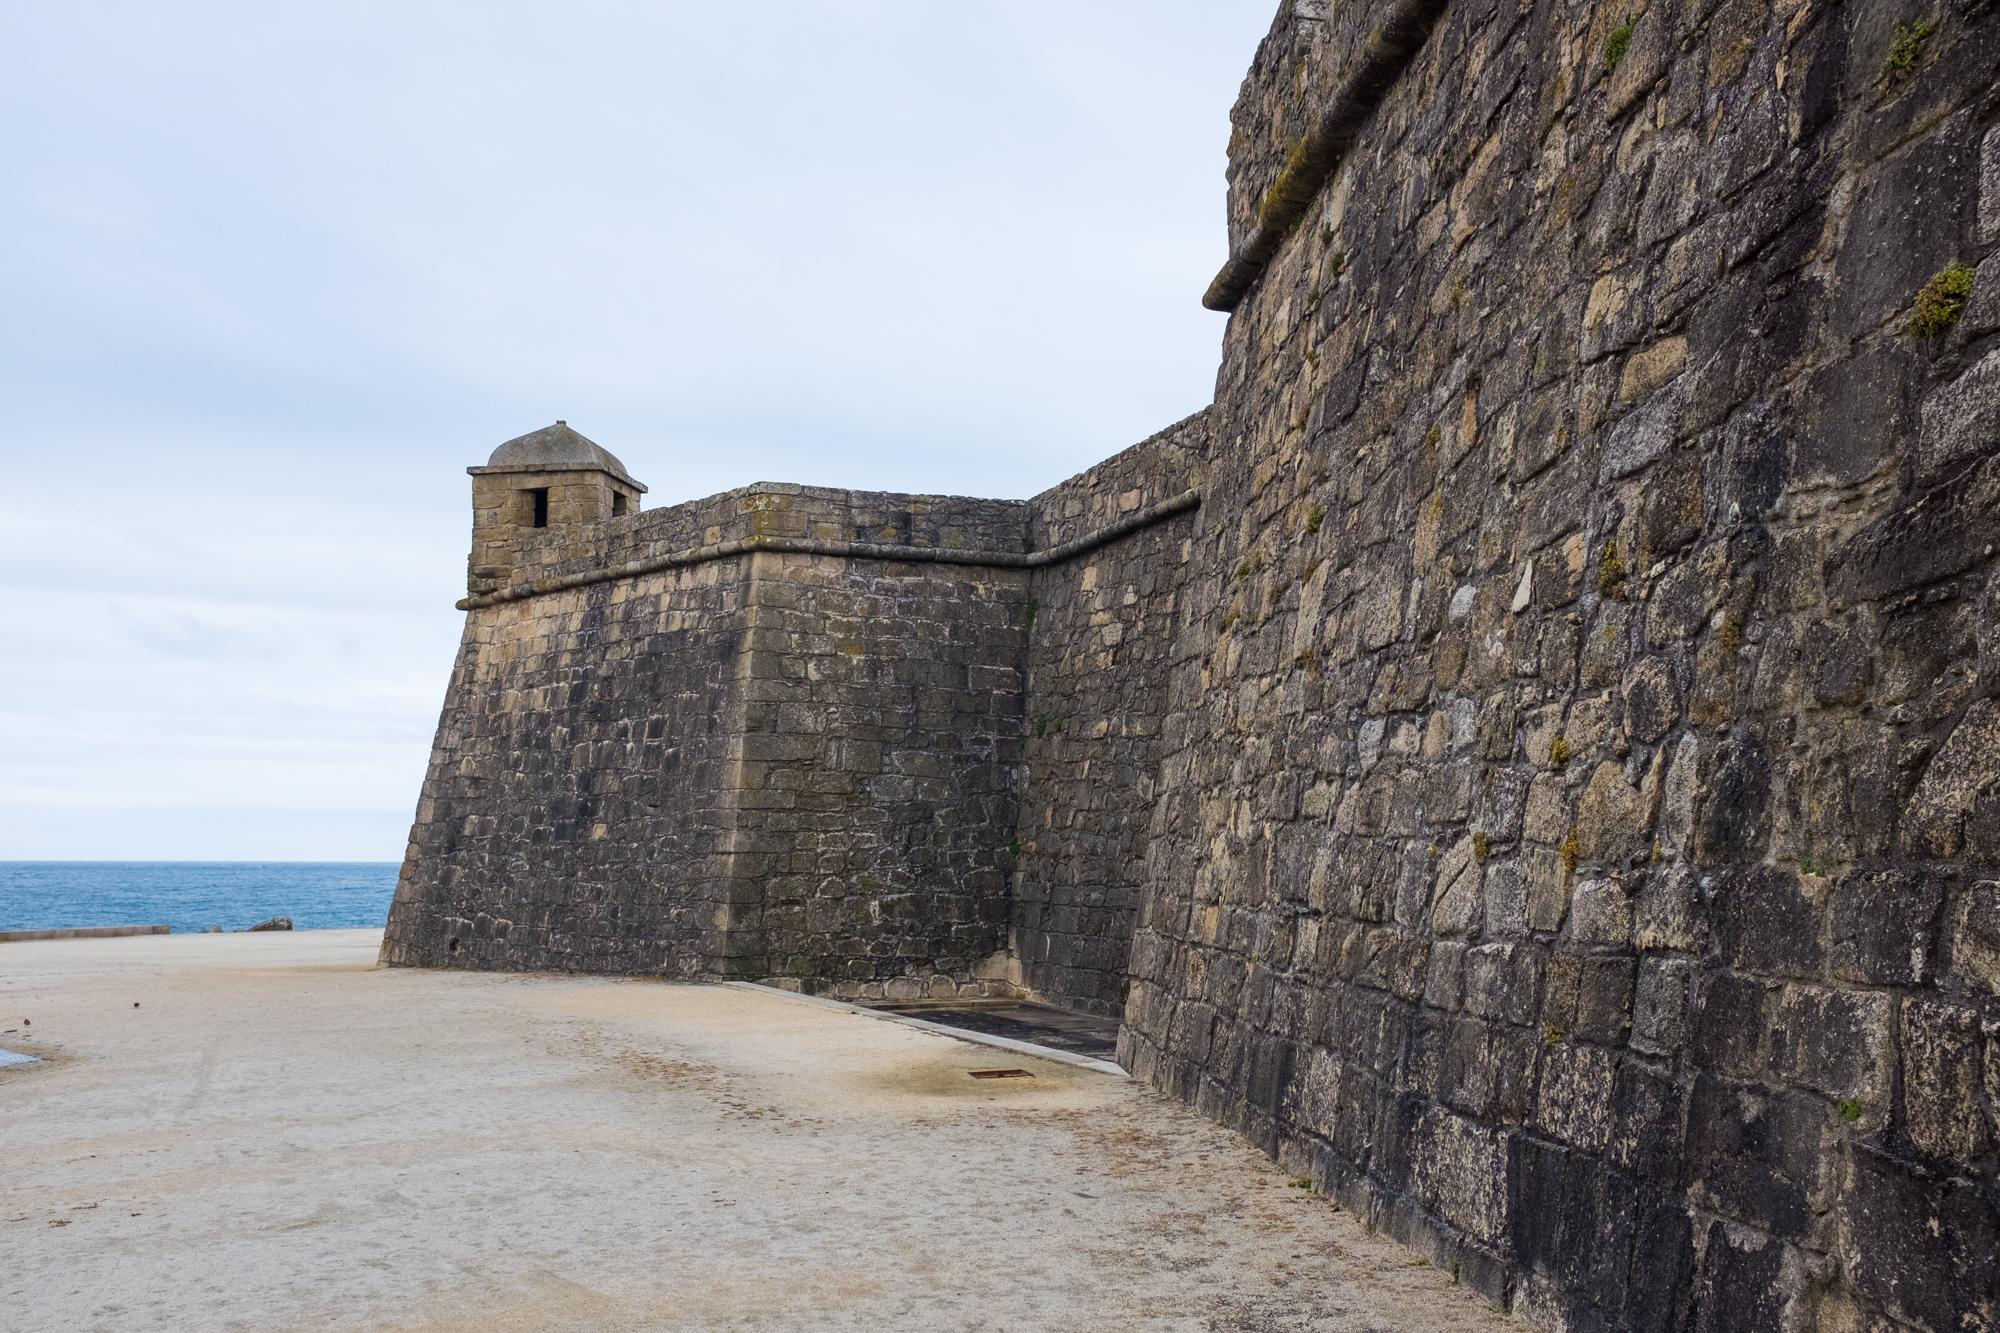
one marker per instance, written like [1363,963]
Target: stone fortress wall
[784,734]
[1528,755]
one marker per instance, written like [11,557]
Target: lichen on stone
[1559,753]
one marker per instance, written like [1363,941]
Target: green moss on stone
[1941,301]
[1906,48]
[1314,517]
[1616,43]
[1611,572]
[1273,204]
[1559,753]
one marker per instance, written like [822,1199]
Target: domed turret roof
[557,448]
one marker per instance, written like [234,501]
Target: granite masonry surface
[1528,755]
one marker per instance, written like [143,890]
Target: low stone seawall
[81,933]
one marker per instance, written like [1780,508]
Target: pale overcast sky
[274,274]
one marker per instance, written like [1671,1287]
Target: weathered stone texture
[1101,631]
[1574,831]
[575,810]
[774,765]
[1549,791]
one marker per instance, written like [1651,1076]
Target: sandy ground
[281,1136]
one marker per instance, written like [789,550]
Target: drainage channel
[1010,1025]
[1037,1024]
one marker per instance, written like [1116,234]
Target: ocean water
[194,895]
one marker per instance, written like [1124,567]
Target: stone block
[1600,915]
[1588,996]
[1936,534]
[1964,776]
[1458,901]
[1755,1156]
[1943,1096]
[1730,1024]
[1961,420]
[1884,925]
[1459,1170]
[1502,981]
[1903,229]
[1660,1004]
[1982,312]
[1974,949]
[1741,1287]
[1734,825]
[1836,1042]
[1575,1102]
[1925,1248]
[1767,920]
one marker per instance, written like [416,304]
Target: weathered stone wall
[1102,628]
[777,764]
[877,789]
[1550,785]
[1573,845]
[574,813]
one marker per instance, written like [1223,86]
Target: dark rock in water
[275,923]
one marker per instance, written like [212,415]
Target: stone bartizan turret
[548,478]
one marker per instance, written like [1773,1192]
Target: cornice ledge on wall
[1387,53]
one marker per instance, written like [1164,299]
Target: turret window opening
[538,507]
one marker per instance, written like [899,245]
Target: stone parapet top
[856,550]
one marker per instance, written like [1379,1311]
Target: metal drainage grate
[1000,1073]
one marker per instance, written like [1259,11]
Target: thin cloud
[277,274]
